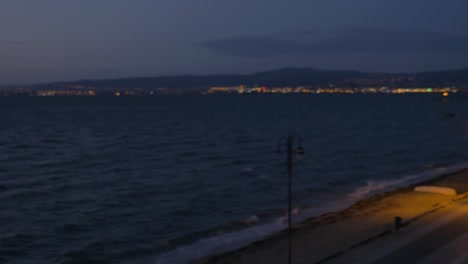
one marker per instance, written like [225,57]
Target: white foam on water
[218,244]
[230,241]
[252,219]
[375,187]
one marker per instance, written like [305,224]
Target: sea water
[166,179]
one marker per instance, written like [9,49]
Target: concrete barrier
[436,189]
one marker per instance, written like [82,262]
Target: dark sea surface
[170,178]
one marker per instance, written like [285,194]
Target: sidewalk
[425,241]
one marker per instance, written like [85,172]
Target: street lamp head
[300,153]
[281,141]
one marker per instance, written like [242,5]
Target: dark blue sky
[51,40]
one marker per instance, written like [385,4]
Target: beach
[322,238]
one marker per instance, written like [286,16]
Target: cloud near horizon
[11,42]
[377,41]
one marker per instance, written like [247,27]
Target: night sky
[54,40]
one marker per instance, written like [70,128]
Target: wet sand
[320,238]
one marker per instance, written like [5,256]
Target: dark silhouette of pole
[289,150]
[290,142]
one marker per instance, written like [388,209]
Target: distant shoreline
[279,80]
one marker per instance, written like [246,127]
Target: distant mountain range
[286,77]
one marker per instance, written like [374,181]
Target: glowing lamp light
[445,94]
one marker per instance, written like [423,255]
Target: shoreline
[319,238]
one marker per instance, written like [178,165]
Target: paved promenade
[439,238]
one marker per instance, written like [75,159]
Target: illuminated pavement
[444,240]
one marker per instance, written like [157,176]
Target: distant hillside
[286,77]
[444,77]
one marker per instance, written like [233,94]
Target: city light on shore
[340,90]
[240,89]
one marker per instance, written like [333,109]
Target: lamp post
[290,142]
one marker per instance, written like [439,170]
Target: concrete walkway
[440,238]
